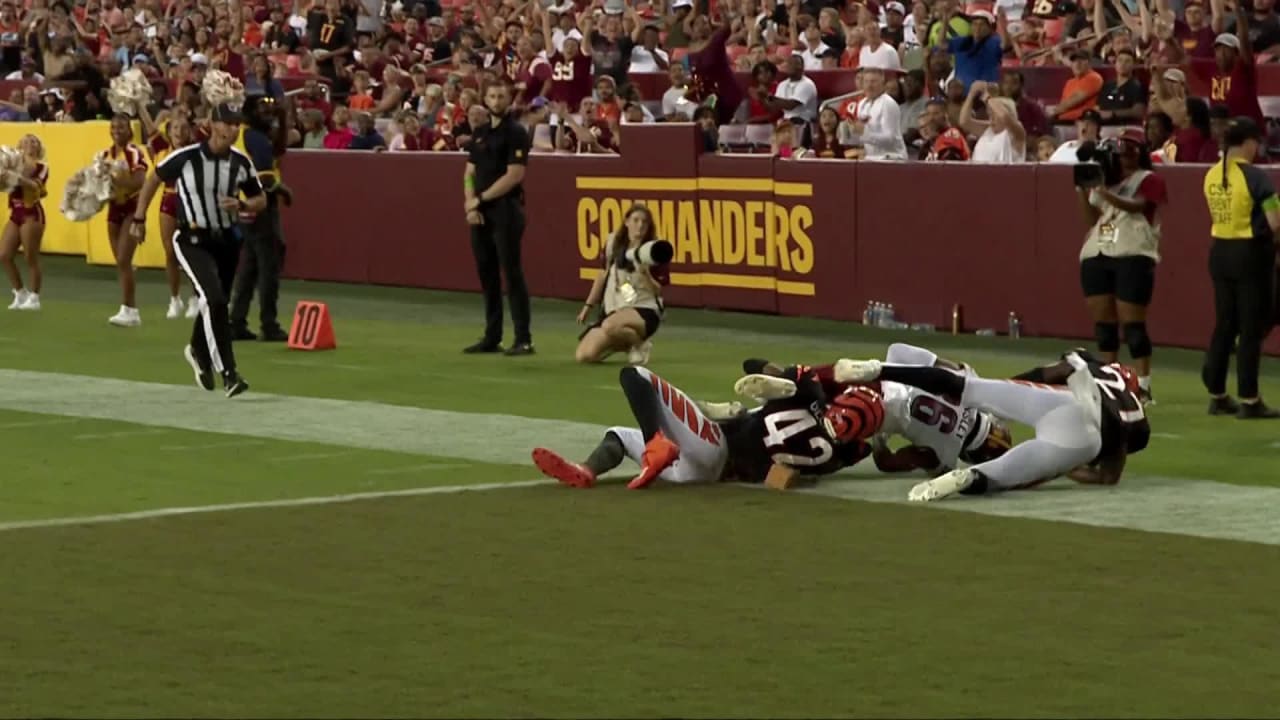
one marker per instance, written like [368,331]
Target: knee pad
[1108,336]
[1135,336]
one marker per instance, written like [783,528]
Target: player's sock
[607,455]
[1144,382]
[978,486]
[931,380]
[646,407]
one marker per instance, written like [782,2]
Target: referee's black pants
[496,245]
[209,260]
[1243,273]
[263,258]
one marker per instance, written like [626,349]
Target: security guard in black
[495,211]
[1245,212]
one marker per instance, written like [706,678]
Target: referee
[210,176]
[1245,213]
[495,211]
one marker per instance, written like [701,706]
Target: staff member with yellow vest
[1245,213]
[263,142]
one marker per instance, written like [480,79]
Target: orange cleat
[554,466]
[659,454]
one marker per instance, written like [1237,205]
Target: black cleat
[240,332]
[1225,405]
[234,384]
[484,346]
[204,375]
[1257,411]
[275,334]
[520,349]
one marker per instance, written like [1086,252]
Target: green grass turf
[546,602]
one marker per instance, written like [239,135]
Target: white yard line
[214,445]
[1169,505]
[121,433]
[288,503]
[301,457]
[38,423]
[427,467]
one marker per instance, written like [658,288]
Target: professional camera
[1099,164]
[654,252]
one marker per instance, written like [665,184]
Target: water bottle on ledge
[868,313]
[1015,326]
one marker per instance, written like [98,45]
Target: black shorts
[1131,279]
[652,319]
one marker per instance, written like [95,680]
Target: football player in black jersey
[796,432]
[1087,417]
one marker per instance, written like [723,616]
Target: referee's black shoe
[234,384]
[484,346]
[1225,405]
[1257,410]
[240,332]
[520,349]
[204,375]
[273,334]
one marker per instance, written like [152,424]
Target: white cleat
[856,371]
[19,297]
[31,302]
[175,309]
[764,387]
[193,307]
[717,411]
[942,486]
[639,355]
[126,317]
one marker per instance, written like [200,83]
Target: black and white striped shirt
[202,179]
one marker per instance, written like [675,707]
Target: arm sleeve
[250,185]
[518,152]
[1261,188]
[260,152]
[1153,189]
[170,168]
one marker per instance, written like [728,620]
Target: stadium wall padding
[811,237]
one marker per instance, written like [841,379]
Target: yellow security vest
[1230,206]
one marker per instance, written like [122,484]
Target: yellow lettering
[802,256]
[687,244]
[757,216]
[779,231]
[733,232]
[610,216]
[709,223]
[665,222]
[588,242]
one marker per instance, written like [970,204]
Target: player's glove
[764,388]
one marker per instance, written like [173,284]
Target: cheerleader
[175,132]
[126,182]
[26,224]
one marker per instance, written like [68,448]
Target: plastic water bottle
[867,313]
[877,315]
[891,316]
[1015,326]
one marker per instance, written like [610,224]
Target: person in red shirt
[26,224]
[1235,79]
[1196,34]
[339,138]
[712,73]
[571,68]
[608,109]
[533,75]
[764,81]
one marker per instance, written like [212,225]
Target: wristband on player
[138,220]
[469,183]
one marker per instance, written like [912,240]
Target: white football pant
[703,450]
[1066,434]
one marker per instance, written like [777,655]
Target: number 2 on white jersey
[788,423]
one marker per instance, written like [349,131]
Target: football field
[362,535]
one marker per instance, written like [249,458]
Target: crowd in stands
[936,80]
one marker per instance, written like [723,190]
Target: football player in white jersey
[941,432]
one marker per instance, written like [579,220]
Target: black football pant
[1243,273]
[263,261]
[209,260]
[496,245]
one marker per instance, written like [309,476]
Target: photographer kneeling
[635,269]
[1119,196]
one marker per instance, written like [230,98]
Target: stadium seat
[734,137]
[542,136]
[1270,106]
[759,135]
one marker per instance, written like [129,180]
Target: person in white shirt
[1088,127]
[814,48]
[876,53]
[646,56]
[878,123]
[675,106]
[796,96]
[1002,139]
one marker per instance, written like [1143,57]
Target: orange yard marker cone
[312,329]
